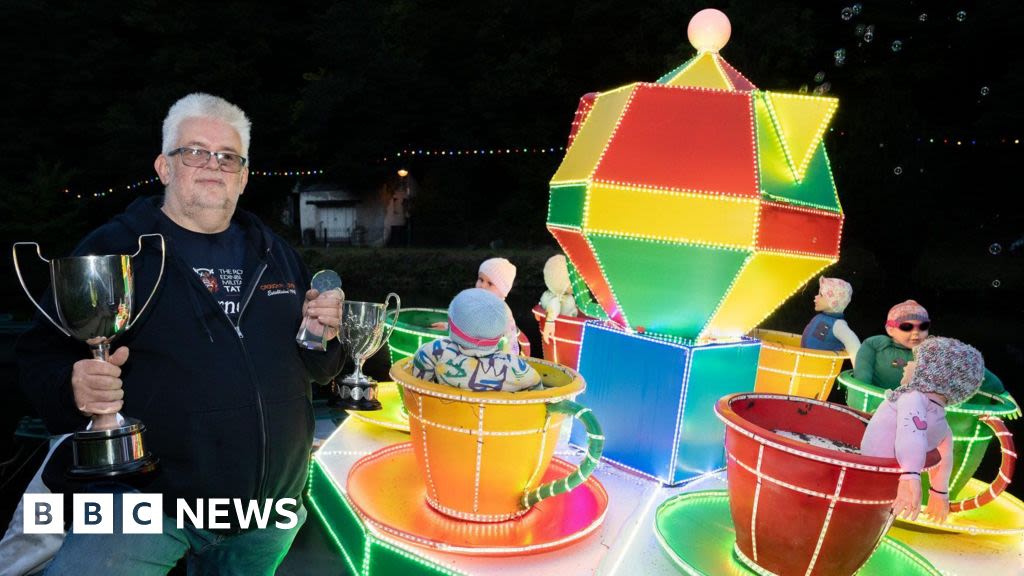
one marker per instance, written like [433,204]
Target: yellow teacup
[482,454]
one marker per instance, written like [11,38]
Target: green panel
[667,288]
[566,205]
[714,371]
[413,330]
[585,300]
[337,517]
[386,560]
[817,189]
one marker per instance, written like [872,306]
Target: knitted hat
[556,274]
[477,320]
[945,366]
[909,310]
[501,272]
[837,293]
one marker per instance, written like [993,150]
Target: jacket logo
[276,288]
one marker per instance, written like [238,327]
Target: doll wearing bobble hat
[469,357]
[912,421]
[496,275]
[828,329]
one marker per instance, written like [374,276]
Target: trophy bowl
[363,332]
[94,298]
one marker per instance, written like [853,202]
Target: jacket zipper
[255,382]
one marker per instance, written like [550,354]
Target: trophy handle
[17,270]
[159,278]
[389,328]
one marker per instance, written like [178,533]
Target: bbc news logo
[144,513]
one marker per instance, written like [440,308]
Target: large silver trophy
[363,332]
[95,301]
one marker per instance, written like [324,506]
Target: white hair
[200,105]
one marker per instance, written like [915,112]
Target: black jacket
[227,410]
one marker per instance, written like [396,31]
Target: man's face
[205,188]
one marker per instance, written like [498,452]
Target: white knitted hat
[501,272]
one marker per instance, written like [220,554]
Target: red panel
[582,111]
[737,79]
[684,138]
[580,254]
[799,230]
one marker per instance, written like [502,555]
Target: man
[211,367]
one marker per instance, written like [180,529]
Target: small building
[329,214]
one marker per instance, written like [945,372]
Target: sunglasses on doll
[909,326]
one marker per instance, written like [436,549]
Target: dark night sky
[340,85]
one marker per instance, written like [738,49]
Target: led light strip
[757,498]
[827,522]
[474,431]
[808,491]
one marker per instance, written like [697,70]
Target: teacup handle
[159,278]
[1006,466]
[389,328]
[595,445]
[17,270]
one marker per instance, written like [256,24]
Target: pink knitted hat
[946,366]
[837,293]
[909,310]
[501,272]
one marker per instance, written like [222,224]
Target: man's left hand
[325,309]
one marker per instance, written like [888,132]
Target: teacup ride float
[976,507]
[801,500]
[784,367]
[380,496]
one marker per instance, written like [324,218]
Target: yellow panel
[702,73]
[593,136]
[763,285]
[801,121]
[675,216]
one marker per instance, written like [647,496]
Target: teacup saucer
[390,415]
[389,494]
[1004,515]
[695,529]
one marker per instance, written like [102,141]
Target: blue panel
[645,391]
[717,370]
[633,387]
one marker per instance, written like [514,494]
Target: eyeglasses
[197,158]
[909,326]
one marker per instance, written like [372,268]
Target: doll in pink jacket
[912,421]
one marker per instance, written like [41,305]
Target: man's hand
[938,506]
[97,384]
[439,325]
[908,498]
[325,309]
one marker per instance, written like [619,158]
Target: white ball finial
[709,30]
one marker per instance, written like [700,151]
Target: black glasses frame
[199,157]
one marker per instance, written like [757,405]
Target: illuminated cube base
[654,397]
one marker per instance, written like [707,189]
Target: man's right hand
[97,384]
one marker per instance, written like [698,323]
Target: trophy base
[360,396]
[109,453]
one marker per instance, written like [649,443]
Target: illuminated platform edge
[625,544]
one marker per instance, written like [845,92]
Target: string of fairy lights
[486,152]
[419,152]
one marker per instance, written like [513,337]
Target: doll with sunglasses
[912,420]
[828,330]
[882,358]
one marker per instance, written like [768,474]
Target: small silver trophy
[363,332]
[323,281]
[95,298]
